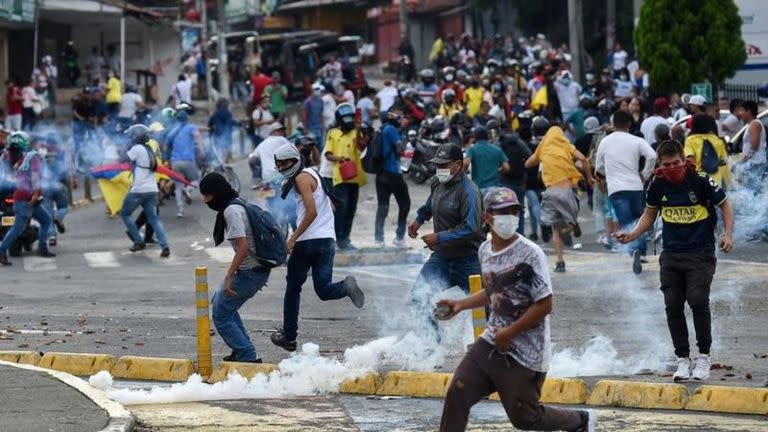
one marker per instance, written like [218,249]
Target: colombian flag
[115,181]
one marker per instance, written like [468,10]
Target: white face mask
[505,226]
[443,175]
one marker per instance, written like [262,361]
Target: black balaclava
[215,184]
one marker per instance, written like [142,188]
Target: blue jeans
[57,195]
[148,202]
[24,212]
[316,255]
[246,283]
[439,274]
[629,206]
[534,209]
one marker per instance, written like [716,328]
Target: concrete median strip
[152,368]
[120,419]
[566,391]
[738,400]
[639,395]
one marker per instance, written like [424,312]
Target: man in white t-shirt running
[143,190]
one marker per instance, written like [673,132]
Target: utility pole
[404,20]
[222,46]
[610,21]
[201,5]
[576,38]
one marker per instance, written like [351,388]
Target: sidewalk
[35,400]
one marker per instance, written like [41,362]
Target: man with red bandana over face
[686,200]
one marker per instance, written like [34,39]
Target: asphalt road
[95,296]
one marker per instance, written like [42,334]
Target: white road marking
[39,264]
[101,259]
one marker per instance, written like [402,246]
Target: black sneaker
[138,246]
[230,358]
[354,292]
[280,339]
[546,234]
[150,240]
[637,265]
[560,267]
[576,229]
[533,237]
[45,253]
[59,225]
[166,252]
[4,261]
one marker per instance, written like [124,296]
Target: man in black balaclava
[245,276]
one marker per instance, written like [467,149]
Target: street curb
[629,394]
[77,363]
[737,400]
[153,369]
[366,257]
[120,419]
[566,391]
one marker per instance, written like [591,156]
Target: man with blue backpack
[259,246]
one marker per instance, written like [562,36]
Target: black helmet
[606,106]
[138,133]
[540,126]
[305,141]
[345,117]
[492,124]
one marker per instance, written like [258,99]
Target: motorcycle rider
[449,77]
[450,104]
[28,165]
[427,89]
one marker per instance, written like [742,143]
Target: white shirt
[129,102]
[619,60]
[623,88]
[265,117]
[731,124]
[329,110]
[266,153]
[323,225]
[568,96]
[28,96]
[238,227]
[182,92]
[366,107]
[648,127]
[755,156]
[618,158]
[348,97]
[386,97]
[143,178]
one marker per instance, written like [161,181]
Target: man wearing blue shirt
[390,180]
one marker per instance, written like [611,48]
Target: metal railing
[740,91]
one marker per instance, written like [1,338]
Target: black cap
[480,133]
[447,153]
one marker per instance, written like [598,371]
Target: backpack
[373,161]
[268,239]
[710,162]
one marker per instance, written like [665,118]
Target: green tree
[680,42]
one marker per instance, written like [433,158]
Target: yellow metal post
[478,314]
[204,356]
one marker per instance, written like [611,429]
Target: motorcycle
[431,136]
[7,218]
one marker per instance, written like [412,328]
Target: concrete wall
[147,47]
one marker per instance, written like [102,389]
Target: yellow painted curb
[153,368]
[415,384]
[364,385]
[246,370]
[739,400]
[567,391]
[639,395]
[77,363]
[22,357]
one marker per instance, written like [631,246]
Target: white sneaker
[701,367]
[380,244]
[683,369]
[400,243]
[179,215]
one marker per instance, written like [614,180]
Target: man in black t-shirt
[686,201]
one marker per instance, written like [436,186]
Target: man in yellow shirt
[450,105]
[559,205]
[473,97]
[114,93]
[709,158]
[342,150]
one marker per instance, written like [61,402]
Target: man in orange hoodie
[558,158]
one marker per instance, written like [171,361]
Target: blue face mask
[566,81]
